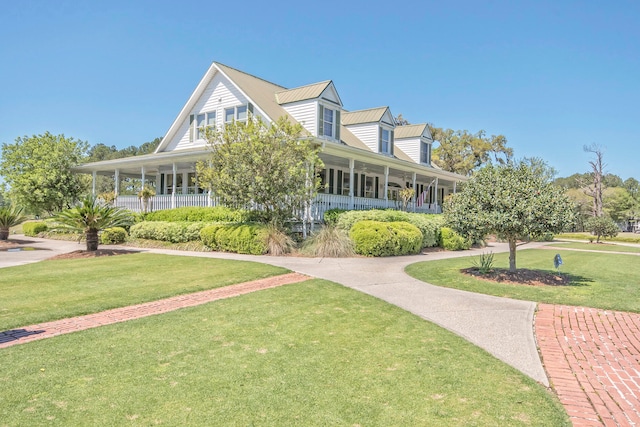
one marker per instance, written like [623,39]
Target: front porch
[322,203]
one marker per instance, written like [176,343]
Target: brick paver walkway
[65,326]
[592,358]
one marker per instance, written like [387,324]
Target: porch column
[209,201]
[158,182]
[173,187]
[454,186]
[116,186]
[436,195]
[142,178]
[386,183]
[351,166]
[93,182]
[415,189]
[185,182]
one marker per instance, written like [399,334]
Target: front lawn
[609,247]
[621,237]
[57,289]
[607,281]
[312,353]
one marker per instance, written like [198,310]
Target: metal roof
[302,93]
[409,131]
[372,115]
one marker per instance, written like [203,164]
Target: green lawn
[607,281]
[51,290]
[621,237]
[312,353]
[609,247]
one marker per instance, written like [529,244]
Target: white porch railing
[323,203]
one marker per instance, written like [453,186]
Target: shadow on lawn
[16,334]
[524,276]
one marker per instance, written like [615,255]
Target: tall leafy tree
[268,166]
[512,201]
[37,171]
[463,152]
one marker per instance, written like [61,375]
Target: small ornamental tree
[511,201]
[601,226]
[271,167]
[91,216]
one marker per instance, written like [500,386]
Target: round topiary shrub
[452,241]
[113,236]
[376,238]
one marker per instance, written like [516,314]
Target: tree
[9,216]
[512,201]
[91,217]
[595,188]
[602,227]
[268,166]
[617,203]
[462,152]
[37,170]
[633,187]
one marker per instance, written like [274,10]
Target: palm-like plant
[90,217]
[9,216]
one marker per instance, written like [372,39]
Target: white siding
[219,94]
[367,133]
[306,113]
[411,147]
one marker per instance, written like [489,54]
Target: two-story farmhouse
[368,157]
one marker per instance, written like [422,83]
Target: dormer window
[329,122]
[386,141]
[425,153]
[199,122]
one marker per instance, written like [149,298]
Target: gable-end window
[386,141]
[329,122]
[425,153]
[199,122]
[239,113]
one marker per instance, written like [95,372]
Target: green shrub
[202,214]
[174,232]
[602,227]
[452,241]
[331,216]
[113,236]
[33,228]
[428,224]
[377,238]
[239,238]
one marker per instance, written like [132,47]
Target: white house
[368,157]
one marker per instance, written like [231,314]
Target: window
[239,113]
[198,123]
[425,153]
[328,122]
[386,141]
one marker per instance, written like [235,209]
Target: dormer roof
[412,131]
[302,93]
[371,115]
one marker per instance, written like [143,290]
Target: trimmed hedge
[174,232]
[428,224]
[378,238]
[331,216]
[239,238]
[32,229]
[113,236]
[202,214]
[452,241]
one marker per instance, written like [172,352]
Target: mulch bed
[521,276]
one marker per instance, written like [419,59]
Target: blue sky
[552,76]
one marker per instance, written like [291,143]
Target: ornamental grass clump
[278,241]
[484,263]
[329,242]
